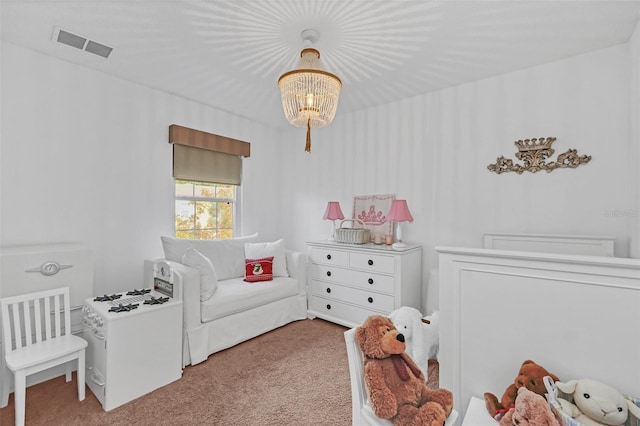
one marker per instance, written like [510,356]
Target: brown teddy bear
[530,409]
[395,385]
[530,376]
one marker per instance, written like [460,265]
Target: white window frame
[236,209]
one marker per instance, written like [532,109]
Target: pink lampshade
[399,212]
[333,211]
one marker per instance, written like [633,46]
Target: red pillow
[258,269]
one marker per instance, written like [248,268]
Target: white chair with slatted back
[362,413]
[36,331]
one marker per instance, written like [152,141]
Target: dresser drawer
[372,262]
[330,257]
[366,280]
[330,273]
[348,313]
[363,298]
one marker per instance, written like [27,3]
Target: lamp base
[398,246]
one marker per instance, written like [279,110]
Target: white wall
[78,145]
[434,150]
[85,158]
[634,140]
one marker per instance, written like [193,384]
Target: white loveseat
[237,310]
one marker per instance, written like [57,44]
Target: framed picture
[372,211]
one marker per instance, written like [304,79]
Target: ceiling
[230,53]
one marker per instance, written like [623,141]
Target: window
[204,211]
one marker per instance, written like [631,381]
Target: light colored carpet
[295,375]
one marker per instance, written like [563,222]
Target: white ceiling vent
[80,42]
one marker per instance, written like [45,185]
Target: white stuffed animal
[432,328]
[421,338]
[596,404]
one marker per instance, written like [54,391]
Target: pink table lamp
[332,213]
[399,212]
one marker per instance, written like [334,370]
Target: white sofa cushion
[236,295]
[275,249]
[227,256]
[208,277]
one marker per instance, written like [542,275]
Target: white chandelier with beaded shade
[309,93]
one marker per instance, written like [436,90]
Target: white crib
[576,315]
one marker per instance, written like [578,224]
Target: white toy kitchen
[135,340]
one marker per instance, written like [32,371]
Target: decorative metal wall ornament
[534,153]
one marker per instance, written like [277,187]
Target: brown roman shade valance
[205,157]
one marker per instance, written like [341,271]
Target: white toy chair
[362,413]
[29,348]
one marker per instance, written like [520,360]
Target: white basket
[352,235]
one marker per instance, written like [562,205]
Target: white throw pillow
[227,256]
[275,249]
[208,278]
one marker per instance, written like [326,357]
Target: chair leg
[4,387]
[68,370]
[19,394]
[80,376]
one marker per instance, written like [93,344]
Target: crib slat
[56,314]
[47,317]
[37,319]
[26,315]
[15,308]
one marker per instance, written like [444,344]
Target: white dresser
[349,282]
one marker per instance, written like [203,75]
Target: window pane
[225,215]
[185,215]
[203,189]
[205,234]
[206,211]
[225,233]
[188,235]
[226,191]
[184,188]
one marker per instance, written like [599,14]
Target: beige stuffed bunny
[596,404]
